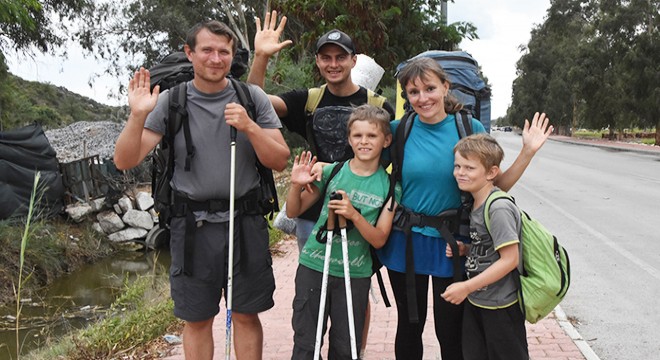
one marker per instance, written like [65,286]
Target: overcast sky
[502,26]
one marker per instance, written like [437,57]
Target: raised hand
[141,99]
[535,135]
[267,40]
[301,170]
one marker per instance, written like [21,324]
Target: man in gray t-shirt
[213,107]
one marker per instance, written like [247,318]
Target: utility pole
[443,12]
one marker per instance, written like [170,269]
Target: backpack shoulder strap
[497,195]
[489,201]
[314,96]
[375,99]
[333,172]
[400,137]
[178,117]
[396,149]
[464,123]
[245,98]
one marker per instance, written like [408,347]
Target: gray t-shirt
[505,228]
[209,173]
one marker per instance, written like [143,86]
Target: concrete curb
[582,344]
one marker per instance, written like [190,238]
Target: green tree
[30,25]
[546,71]
[139,33]
[379,28]
[593,63]
[43,24]
[130,34]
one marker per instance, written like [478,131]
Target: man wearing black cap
[319,114]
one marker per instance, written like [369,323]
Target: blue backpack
[466,83]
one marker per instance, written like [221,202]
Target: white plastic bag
[283,222]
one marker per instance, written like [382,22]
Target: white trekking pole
[230,261]
[324,284]
[347,283]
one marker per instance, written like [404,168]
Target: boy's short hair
[482,146]
[373,115]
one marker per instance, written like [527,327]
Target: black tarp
[24,152]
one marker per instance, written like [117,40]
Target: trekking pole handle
[232,134]
[342,220]
[330,225]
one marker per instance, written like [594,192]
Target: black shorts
[197,297]
[494,333]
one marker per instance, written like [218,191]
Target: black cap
[338,38]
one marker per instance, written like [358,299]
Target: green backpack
[544,268]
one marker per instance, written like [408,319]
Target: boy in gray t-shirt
[493,322]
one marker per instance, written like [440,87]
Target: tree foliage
[28,26]
[124,35]
[139,33]
[44,24]
[130,34]
[390,31]
[592,63]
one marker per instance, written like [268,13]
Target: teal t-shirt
[429,188]
[367,193]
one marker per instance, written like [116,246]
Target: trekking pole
[324,283]
[347,283]
[230,261]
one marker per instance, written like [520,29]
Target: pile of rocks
[128,220]
[84,138]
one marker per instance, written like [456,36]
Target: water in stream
[73,301]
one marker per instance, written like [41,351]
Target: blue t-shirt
[429,188]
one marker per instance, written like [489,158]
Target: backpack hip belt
[446,223]
[248,204]
[406,218]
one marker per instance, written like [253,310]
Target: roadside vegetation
[642,136]
[53,247]
[133,327]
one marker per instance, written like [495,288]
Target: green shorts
[197,296]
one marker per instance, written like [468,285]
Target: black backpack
[375,262]
[180,69]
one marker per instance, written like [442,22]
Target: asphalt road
[604,207]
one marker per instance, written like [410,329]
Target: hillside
[52,106]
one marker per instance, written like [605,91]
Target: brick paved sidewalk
[547,339]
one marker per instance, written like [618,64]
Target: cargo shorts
[197,296]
